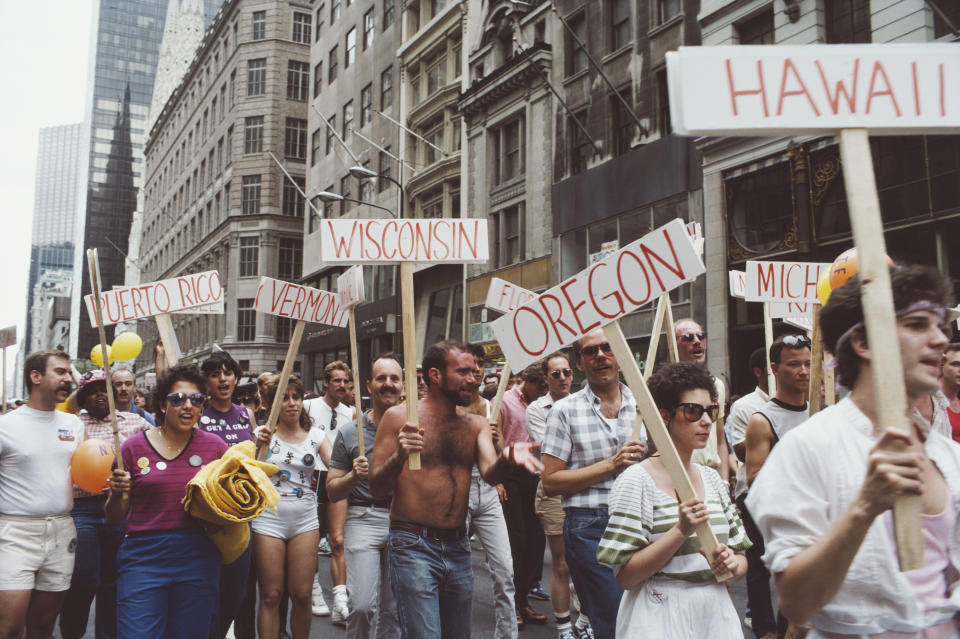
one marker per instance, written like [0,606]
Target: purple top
[232,427]
[158,485]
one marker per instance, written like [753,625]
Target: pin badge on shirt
[143,462]
[204,420]
[145,470]
[161,465]
[308,460]
[195,460]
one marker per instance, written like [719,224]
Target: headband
[922,305]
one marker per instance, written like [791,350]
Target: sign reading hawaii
[421,240]
[889,89]
[657,263]
[128,303]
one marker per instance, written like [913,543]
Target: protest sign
[782,281]
[388,241]
[892,89]
[662,322]
[350,290]
[93,266]
[8,337]
[127,303]
[738,283]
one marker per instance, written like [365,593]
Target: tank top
[784,417]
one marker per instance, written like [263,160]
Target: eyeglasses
[693,412]
[562,372]
[248,399]
[795,341]
[593,349]
[689,337]
[179,399]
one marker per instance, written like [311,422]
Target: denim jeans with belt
[94,572]
[596,586]
[433,585]
[373,612]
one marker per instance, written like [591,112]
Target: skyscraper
[124,62]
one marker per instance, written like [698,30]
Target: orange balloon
[92,464]
[845,266]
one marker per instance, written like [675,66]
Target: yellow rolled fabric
[229,492]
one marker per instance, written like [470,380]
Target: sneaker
[340,611]
[324,548]
[584,633]
[748,622]
[537,592]
[318,605]
[567,634]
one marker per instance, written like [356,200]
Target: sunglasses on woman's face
[693,412]
[179,399]
[561,372]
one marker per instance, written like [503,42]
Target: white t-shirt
[322,415]
[35,451]
[736,425]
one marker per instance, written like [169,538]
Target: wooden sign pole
[355,369]
[671,330]
[768,342]
[662,322]
[830,386]
[93,264]
[292,350]
[409,350]
[650,416]
[498,401]
[4,379]
[816,362]
[881,323]
[168,338]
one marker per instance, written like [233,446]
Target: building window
[847,21]
[256,76]
[436,6]
[760,207]
[508,235]
[663,104]
[619,13]
[314,147]
[259,25]
[284,330]
[251,194]
[366,105]
[298,80]
[666,10]
[317,78]
[319,26]
[253,134]
[432,204]
[384,170]
[223,101]
[758,29]
[249,257]
[350,45]
[331,127]
[345,192]
[366,186]
[369,29]
[332,66]
[952,11]
[508,160]
[328,205]
[386,89]
[295,139]
[302,26]
[576,59]
[581,147]
[623,125]
[334,11]
[434,137]
[347,120]
[293,202]
[246,320]
[233,89]
[228,151]
[436,75]
[388,13]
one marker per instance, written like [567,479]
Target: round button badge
[195,460]
[161,465]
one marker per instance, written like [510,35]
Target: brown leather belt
[436,534]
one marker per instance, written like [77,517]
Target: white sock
[583,621]
[340,592]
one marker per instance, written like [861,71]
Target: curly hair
[179,373]
[674,379]
[221,360]
[293,384]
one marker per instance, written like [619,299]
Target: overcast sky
[44,49]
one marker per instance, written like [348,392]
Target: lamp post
[327,196]
[363,173]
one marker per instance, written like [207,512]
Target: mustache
[65,387]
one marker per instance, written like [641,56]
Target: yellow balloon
[95,356]
[823,287]
[126,346]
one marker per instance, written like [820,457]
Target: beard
[459,397]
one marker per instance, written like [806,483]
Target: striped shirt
[127,423]
[640,513]
[579,434]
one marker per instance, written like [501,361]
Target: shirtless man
[429,553]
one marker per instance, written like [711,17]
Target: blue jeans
[168,585]
[596,586]
[432,584]
[94,572]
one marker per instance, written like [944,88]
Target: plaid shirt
[127,423]
[578,434]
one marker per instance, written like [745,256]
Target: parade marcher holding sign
[950,387]
[38,536]
[672,588]
[586,445]
[430,561]
[169,570]
[285,542]
[373,611]
[823,499]
[125,387]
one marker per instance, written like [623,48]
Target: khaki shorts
[37,553]
[550,512]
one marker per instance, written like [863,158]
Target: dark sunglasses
[693,412]
[689,337]
[561,372]
[248,399]
[179,399]
[592,350]
[795,341]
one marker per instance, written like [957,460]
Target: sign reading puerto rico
[286,299]
[504,296]
[350,286]
[128,303]
[420,240]
[890,89]
[782,281]
[657,263]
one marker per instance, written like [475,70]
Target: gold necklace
[162,432]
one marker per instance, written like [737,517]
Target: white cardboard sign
[421,240]
[350,287]
[128,303]
[505,296]
[738,283]
[784,310]
[782,281]
[891,89]
[286,299]
[8,336]
[657,263]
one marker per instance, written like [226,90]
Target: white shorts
[665,607]
[295,516]
[37,553]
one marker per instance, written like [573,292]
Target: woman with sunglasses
[285,542]
[671,586]
[168,568]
